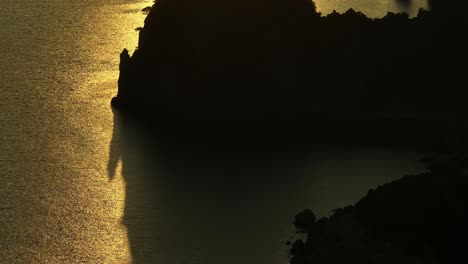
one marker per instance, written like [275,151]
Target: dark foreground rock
[417,219]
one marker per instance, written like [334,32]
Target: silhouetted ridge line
[244,59]
[416,219]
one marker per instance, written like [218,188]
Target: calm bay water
[79,183]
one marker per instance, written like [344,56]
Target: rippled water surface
[79,183]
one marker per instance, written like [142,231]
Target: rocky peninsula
[417,219]
[250,59]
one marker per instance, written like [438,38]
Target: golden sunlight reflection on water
[111,32]
[80,116]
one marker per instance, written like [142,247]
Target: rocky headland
[416,219]
[280,67]
[267,59]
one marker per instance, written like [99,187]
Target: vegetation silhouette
[417,219]
[254,60]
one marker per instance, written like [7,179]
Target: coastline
[416,219]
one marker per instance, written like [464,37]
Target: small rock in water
[298,247]
[305,219]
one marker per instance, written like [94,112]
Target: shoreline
[416,219]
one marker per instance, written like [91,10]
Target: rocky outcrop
[305,220]
[417,219]
[262,59]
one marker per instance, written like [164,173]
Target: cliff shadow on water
[188,201]
[198,198]
[191,202]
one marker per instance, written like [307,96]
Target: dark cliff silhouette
[417,219]
[251,59]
